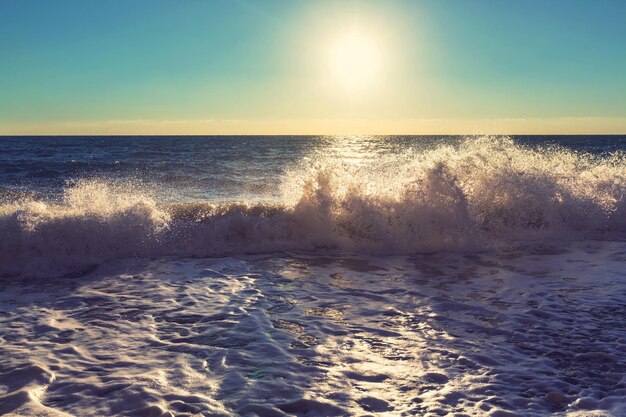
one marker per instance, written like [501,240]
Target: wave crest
[481,193]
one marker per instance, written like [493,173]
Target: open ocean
[313,276]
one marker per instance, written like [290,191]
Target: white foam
[484,193]
[500,334]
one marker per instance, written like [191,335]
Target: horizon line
[323,127]
[306,134]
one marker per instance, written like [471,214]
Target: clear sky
[317,67]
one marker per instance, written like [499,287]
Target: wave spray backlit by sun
[484,193]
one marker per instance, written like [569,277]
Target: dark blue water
[222,168]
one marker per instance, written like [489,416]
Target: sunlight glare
[355,61]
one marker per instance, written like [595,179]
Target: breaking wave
[482,193]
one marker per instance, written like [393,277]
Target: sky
[312,67]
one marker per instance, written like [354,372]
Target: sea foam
[482,193]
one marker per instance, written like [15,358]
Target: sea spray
[482,193]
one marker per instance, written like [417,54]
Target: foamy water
[479,194]
[443,334]
[313,277]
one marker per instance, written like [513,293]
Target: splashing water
[479,194]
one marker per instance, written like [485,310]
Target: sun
[355,61]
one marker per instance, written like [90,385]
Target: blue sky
[218,66]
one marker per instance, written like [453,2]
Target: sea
[313,276]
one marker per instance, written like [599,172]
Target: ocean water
[313,276]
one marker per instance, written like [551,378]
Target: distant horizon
[325,127]
[310,135]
